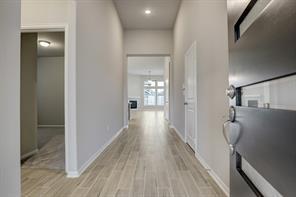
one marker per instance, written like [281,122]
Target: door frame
[125,83]
[192,47]
[70,102]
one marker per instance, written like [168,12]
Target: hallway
[146,160]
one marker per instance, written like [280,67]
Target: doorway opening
[148,84]
[43,100]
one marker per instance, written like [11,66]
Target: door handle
[185,103]
[231,146]
[231,91]
[225,124]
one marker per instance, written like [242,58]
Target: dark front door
[262,130]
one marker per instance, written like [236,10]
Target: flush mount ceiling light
[44,43]
[147,11]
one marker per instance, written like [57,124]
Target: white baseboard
[75,174]
[51,126]
[177,131]
[213,174]
[29,154]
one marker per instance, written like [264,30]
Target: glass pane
[253,15]
[160,97]
[149,97]
[160,83]
[275,94]
[149,83]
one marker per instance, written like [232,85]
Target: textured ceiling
[57,44]
[131,13]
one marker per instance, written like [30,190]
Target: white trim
[51,126]
[75,174]
[69,90]
[125,80]
[178,132]
[213,174]
[29,154]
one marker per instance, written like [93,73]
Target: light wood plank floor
[147,160]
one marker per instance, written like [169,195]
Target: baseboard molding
[51,126]
[178,132]
[213,174]
[29,154]
[75,174]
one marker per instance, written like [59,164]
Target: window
[160,97]
[149,83]
[149,97]
[154,93]
[160,83]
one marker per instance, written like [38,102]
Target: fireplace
[134,104]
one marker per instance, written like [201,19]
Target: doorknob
[225,124]
[185,103]
[231,91]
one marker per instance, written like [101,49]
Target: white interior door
[190,96]
[167,87]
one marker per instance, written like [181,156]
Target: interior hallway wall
[144,42]
[206,23]
[148,42]
[99,77]
[10,98]
[28,93]
[135,86]
[50,91]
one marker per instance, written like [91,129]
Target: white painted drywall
[206,23]
[10,98]
[42,14]
[135,86]
[99,76]
[50,91]
[145,42]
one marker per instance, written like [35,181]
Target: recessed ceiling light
[44,43]
[147,12]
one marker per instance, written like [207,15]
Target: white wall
[99,76]
[206,23]
[40,14]
[135,86]
[50,91]
[10,98]
[146,42]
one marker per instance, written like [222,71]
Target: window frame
[156,88]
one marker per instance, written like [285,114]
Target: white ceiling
[131,13]
[57,44]
[142,65]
